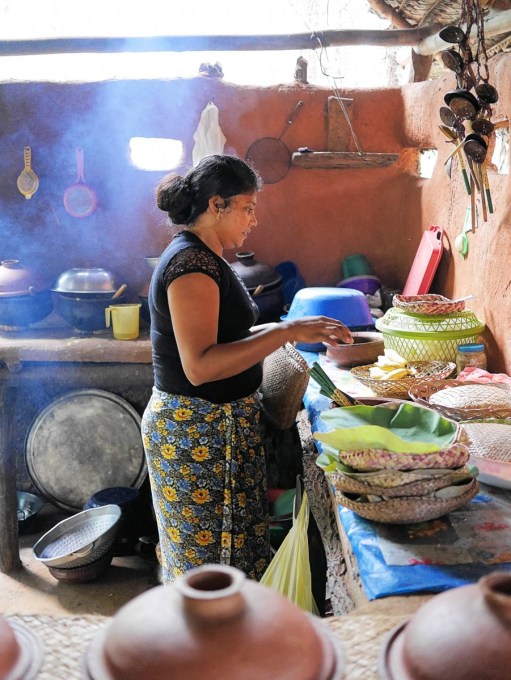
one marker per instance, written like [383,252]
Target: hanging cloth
[208,136]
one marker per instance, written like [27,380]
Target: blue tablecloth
[431,556]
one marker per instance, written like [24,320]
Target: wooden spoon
[119,291]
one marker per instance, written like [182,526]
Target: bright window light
[427,162]
[153,153]
[500,157]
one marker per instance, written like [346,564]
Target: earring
[218,215]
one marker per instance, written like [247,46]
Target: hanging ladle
[486,93]
[475,148]
[452,137]
[447,116]
[452,34]
[453,60]
[462,103]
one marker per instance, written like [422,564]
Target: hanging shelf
[343,159]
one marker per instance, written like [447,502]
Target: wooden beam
[343,159]
[213,43]
[496,24]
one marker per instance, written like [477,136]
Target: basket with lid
[418,337]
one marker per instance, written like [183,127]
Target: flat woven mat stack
[64,640]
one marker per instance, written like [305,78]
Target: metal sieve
[80,539]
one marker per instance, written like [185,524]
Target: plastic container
[367,284]
[343,304]
[428,338]
[355,265]
[470,355]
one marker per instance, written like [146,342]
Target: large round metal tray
[85,441]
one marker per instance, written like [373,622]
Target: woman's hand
[314,329]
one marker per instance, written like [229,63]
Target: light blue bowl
[343,304]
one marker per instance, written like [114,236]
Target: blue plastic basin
[343,304]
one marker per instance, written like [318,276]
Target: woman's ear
[216,204]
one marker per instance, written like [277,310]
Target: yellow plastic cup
[125,320]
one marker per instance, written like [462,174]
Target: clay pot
[264,283]
[213,623]
[20,652]
[16,279]
[462,633]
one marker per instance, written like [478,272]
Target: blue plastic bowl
[343,304]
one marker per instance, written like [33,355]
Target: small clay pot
[461,633]
[213,624]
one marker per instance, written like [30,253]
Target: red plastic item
[425,263]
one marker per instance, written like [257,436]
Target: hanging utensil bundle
[466,116]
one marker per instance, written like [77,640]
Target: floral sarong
[208,478]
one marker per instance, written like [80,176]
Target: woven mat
[362,636]
[65,639]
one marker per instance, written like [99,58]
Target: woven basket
[380,459]
[490,451]
[415,487]
[422,391]
[408,509]
[429,305]
[285,380]
[387,479]
[428,337]
[398,389]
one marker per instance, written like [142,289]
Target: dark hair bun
[173,197]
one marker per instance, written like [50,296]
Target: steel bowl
[28,505]
[80,539]
[78,281]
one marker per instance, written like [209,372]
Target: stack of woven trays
[400,487]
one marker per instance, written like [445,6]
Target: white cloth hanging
[208,136]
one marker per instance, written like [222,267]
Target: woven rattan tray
[421,392]
[399,389]
[415,487]
[408,509]
[428,304]
[380,459]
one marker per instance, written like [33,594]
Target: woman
[200,428]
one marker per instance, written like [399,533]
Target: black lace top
[238,313]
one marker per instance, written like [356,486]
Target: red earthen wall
[315,217]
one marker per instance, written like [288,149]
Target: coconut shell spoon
[28,181]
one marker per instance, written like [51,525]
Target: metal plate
[85,441]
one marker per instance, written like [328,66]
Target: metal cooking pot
[93,281]
[264,283]
[84,313]
[20,311]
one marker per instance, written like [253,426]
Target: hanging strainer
[80,539]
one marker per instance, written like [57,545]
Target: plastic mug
[125,320]
[355,265]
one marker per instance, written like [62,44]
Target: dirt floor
[33,590]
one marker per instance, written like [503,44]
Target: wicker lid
[399,321]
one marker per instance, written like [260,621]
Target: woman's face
[237,220]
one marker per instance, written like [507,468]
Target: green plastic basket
[417,337]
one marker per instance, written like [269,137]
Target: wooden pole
[9,546]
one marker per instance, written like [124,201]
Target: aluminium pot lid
[82,442]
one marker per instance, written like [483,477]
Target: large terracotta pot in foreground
[213,623]
[462,634]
